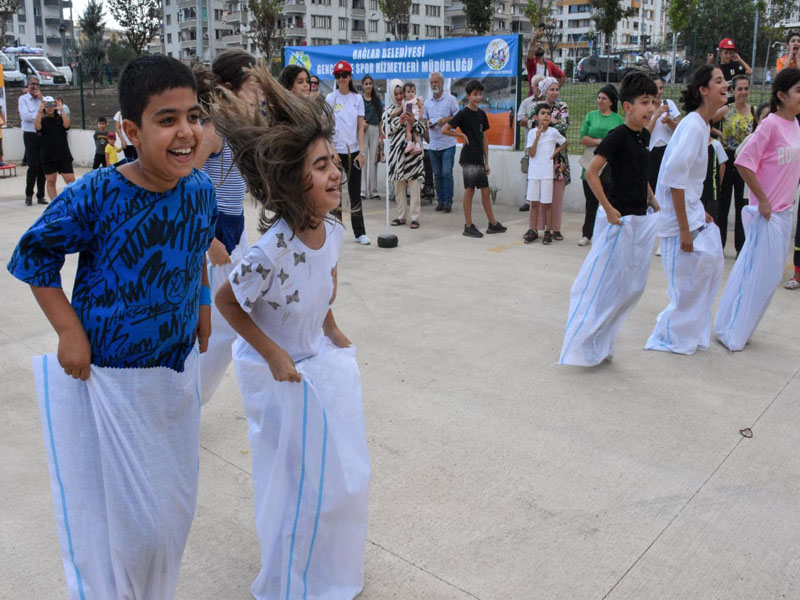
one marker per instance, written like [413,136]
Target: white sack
[122,451]
[608,286]
[693,279]
[310,476]
[216,359]
[754,277]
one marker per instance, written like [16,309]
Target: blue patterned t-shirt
[137,287]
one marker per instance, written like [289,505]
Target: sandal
[397,222]
[414,225]
[792,284]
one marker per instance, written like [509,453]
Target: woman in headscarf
[406,171]
[595,127]
[548,92]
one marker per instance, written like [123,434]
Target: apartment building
[302,23]
[37,23]
[509,19]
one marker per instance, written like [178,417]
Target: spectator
[525,108]
[127,148]
[439,109]
[29,105]
[373,111]
[54,151]
[313,86]
[64,108]
[406,170]
[549,89]
[737,125]
[537,64]
[662,124]
[295,79]
[730,63]
[100,142]
[792,56]
[110,151]
[348,111]
[595,127]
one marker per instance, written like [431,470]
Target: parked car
[593,69]
[11,73]
[67,73]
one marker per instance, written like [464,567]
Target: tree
[397,14]
[608,13]
[93,49]
[140,18]
[264,26]
[780,11]
[540,14]
[8,8]
[91,21]
[119,55]
[479,15]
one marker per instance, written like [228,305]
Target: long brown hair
[270,143]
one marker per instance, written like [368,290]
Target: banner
[474,58]
[492,59]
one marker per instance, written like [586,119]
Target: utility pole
[755,39]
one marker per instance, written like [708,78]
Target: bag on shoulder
[523,163]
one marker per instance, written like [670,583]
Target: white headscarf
[393,83]
[546,83]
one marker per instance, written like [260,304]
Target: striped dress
[402,166]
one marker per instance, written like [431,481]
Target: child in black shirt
[474,159]
[100,141]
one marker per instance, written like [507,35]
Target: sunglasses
[342,75]
[312,82]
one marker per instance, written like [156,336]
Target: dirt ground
[101,104]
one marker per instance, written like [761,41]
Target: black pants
[35,173]
[591,210]
[353,172]
[731,183]
[654,165]
[99,161]
[130,152]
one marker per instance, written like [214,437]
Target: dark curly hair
[270,144]
[691,98]
[783,82]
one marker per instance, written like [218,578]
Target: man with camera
[29,105]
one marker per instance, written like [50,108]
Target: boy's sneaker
[363,240]
[498,227]
[472,231]
[530,236]
[584,241]
[548,238]
[409,147]
[525,207]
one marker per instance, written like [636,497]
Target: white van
[41,66]
[11,74]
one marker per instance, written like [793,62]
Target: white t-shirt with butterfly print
[287,289]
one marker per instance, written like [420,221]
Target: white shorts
[540,190]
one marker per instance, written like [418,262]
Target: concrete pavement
[497,474]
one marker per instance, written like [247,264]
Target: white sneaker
[658,250]
[363,240]
[584,241]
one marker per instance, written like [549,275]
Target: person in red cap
[730,63]
[348,110]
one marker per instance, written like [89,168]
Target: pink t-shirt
[773,154]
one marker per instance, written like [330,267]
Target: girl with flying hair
[296,369]
[691,251]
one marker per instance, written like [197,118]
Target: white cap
[47,99]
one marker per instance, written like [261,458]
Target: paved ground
[497,474]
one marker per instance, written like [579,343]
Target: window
[169,38]
[358,25]
[342,3]
[169,19]
[321,41]
[500,8]
[373,4]
[321,21]
[21,29]
[167,3]
[433,11]
[415,9]
[373,26]
[358,4]
[342,24]
[38,30]
[433,31]
[37,11]
[414,29]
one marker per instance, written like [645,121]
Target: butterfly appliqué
[281,241]
[247,269]
[283,276]
[274,305]
[299,258]
[261,271]
[295,297]
[236,278]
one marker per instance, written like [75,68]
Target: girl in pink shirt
[770,166]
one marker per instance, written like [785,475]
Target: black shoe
[41,201]
[28,200]
[530,236]
[498,227]
[472,231]
[439,207]
[525,207]
[548,238]
[557,236]
[447,208]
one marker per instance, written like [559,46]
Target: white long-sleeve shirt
[28,109]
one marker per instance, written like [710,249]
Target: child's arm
[64,116]
[559,149]
[592,176]
[447,130]
[535,146]
[108,160]
[486,151]
[280,363]
[74,352]
[37,122]
[752,184]
[204,314]
[721,171]
[361,159]
[332,331]
[651,199]
[679,202]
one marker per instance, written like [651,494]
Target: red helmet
[342,67]
[726,44]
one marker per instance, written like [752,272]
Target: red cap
[342,67]
[726,44]
[111,135]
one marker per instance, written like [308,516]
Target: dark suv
[593,69]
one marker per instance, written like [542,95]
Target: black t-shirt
[729,71]
[627,155]
[473,123]
[100,141]
[54,146]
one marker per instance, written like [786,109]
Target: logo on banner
[300,58]
[497,54]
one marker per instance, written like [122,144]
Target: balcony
[233,18]
[190,24]
[295,8]
[295,32]
[187,3]
[54,39]
[358,36]
[236,39]
[191,45]
[52,21]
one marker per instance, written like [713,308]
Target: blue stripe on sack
[299,491]
[597,288]
[660,339]
[58,476]
[754,235]
[319,499]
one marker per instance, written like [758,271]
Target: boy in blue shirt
[121,416]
